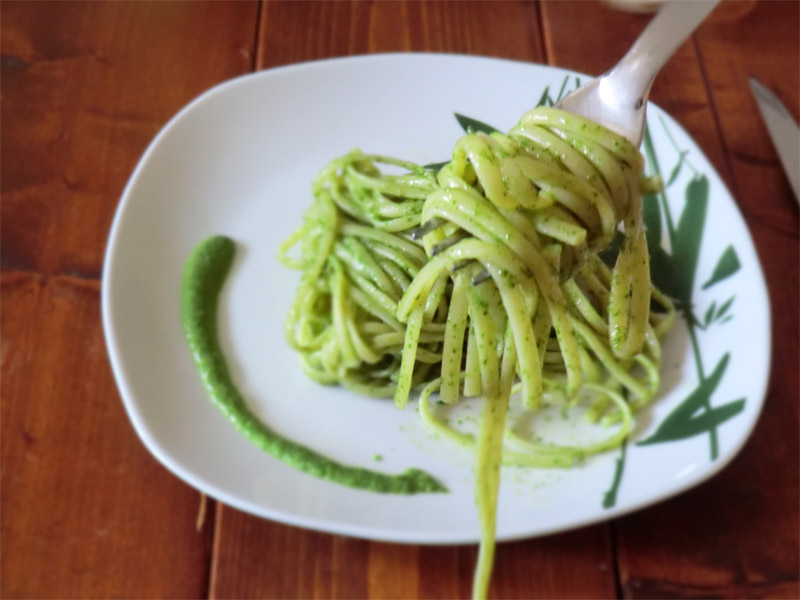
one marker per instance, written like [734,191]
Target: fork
[617,100]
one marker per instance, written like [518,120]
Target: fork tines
[426,228]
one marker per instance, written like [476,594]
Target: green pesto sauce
[203,278]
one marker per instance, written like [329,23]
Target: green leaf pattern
[727,265]
[471,125]
[675,273]
[685,422]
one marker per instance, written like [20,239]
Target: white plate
[239,161]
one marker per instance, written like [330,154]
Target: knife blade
[782,129]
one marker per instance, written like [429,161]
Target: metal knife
[782,129]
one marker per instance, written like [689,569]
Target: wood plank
[87,512]
[255,558]
[761,40]
[86,86]
[292,32]
[305,564]
[735,536]
[308,564]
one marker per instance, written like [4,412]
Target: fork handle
[675,22]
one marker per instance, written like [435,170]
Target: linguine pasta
[486,279]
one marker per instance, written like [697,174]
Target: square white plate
[239,161]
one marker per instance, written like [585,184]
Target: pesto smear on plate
[203,277]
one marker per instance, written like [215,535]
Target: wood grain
[293,32]
[86,511]
[738,534]
[757,39]
[86,86]
[306,564]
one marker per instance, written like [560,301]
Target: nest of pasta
[521,266]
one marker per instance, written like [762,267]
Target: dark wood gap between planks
[714,111]
[256,37]
[12,275]
[542,34]
[210,528]
[213,554]
[615,568]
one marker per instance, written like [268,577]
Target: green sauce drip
[203,278]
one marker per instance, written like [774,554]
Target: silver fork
[618,99]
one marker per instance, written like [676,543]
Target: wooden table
[87,512]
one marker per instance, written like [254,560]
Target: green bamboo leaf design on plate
[545,100]
[677,169]
[709,314]
[702,423]
[688,235]
[674,273]
[682,423]
[435,166]
[471,125]
[610,497]
[563,87]
[724,308]
[727,265]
